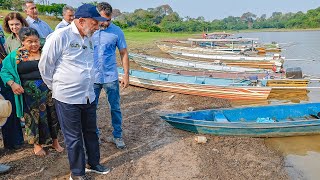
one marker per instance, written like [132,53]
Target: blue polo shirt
[42,27]
[105,61]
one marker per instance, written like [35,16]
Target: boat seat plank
[219,117]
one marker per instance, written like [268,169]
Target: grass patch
[145,38]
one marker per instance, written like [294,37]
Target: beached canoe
[236,89]
[260,121]
[228,75]
[272,79]
[188,65]
[275,62]
[166,49]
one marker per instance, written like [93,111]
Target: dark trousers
[11,131]
[78,125]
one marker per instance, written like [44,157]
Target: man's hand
[125,81]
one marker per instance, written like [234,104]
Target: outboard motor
[294,73]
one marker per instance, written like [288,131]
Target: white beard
[88,32]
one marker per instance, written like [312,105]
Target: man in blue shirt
[34,21]
[106,40]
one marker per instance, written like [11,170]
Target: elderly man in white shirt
[68,16]
[66,66]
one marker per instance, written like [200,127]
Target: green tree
[248,17]
[6,4]
[54,9]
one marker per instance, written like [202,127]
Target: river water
[301,49]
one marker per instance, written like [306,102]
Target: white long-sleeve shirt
[62,24]
[66,66]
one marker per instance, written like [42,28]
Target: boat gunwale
[242,123]
[152,59]
[222,86]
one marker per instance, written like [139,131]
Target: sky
[210,9]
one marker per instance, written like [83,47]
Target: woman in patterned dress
[33,98]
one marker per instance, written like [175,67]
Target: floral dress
[39,112]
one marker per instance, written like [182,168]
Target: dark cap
[88,11]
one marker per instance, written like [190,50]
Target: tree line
[164,19]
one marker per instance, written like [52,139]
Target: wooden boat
[263,50]
[295,96]
[187,65]
[270,47]
[243,61]
[228,75]
[166,49]
[201,86]
[235,44]
[275,58]
[270,80]
[288,82]
[267,78]
[216,35]
[261,121]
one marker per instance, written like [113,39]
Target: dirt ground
[155,150]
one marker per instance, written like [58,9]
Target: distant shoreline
[275,30]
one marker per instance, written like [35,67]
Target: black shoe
[98,169]
[73,177]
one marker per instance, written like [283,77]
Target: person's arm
[122,46]
[51,52]
[125,63]
[7,76]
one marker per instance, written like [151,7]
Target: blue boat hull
[292,120]
[250,132]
